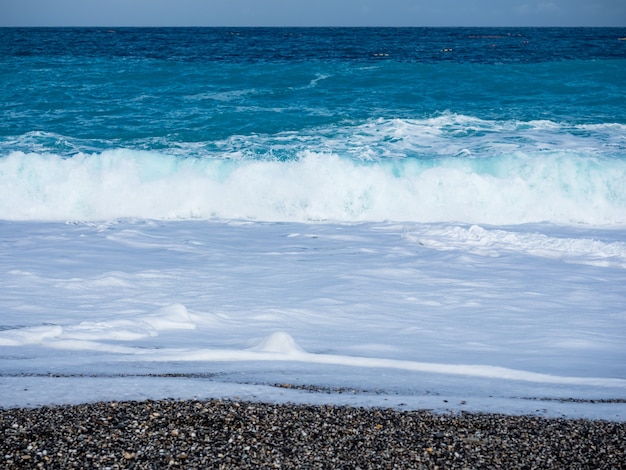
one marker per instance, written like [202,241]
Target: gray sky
[312,12]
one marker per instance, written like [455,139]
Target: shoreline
[246,434]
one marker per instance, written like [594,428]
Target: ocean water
[214,211]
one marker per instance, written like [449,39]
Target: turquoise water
[482,125]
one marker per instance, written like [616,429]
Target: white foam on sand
[525,319]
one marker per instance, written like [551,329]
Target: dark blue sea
[478,125]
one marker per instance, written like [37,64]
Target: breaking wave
[451,168]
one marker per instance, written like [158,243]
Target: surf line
[280,346]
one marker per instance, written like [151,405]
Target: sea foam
[449,167]
[564,188]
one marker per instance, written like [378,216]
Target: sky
[312,13]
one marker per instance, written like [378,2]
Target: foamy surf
[451,168]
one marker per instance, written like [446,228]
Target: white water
[448,168]
[443,316]
[511,190]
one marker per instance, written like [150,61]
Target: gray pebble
[231,434]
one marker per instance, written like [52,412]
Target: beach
[233,434]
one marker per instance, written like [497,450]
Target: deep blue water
[544,105]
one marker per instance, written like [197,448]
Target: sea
[407,217]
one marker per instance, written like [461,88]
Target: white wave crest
[511,189]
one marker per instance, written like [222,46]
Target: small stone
[257,435]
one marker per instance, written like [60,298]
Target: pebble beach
[232,434]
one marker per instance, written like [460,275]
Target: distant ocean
[480,125]
[414,217]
